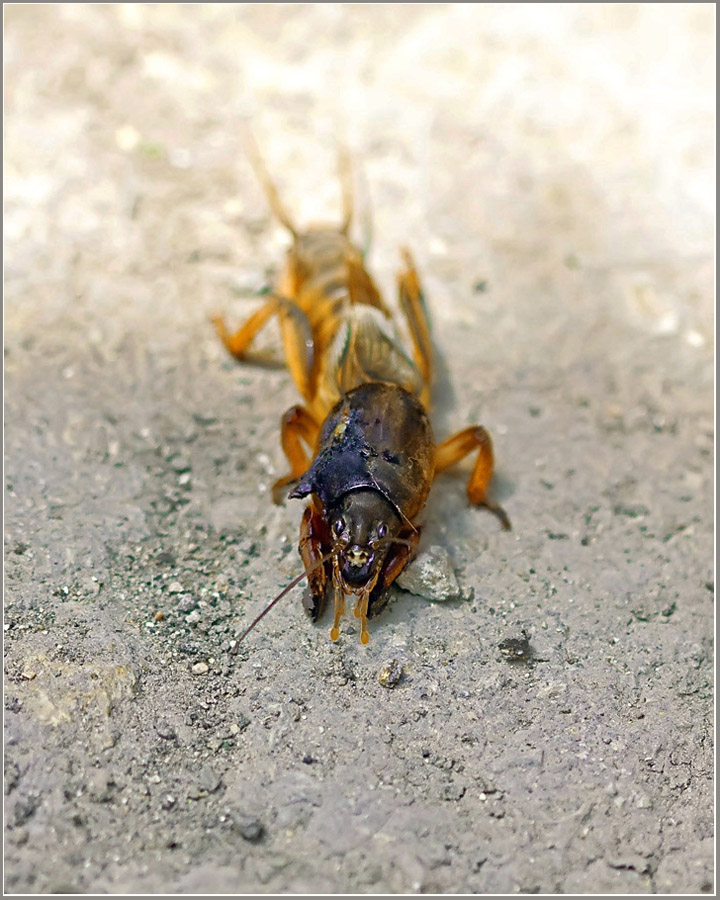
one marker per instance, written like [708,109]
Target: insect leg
[296,336]
[398,556]
[314,541]
[238,343]
[298,345]
[361,287]
[297,426]
[413,305]
[458,447]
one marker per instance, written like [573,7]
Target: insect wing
[366,349]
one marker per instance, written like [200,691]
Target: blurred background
[563,154]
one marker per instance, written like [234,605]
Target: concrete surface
[552,168]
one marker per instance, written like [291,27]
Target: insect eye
[382,530]
[339,526]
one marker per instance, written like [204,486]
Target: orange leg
[413,304]
[298,343]
[238,343]
[297,426]
[296,335]
[458,447]
[399,555]
[314,544]
[361,287]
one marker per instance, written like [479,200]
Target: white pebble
[431,576]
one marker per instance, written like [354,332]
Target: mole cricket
[360,446]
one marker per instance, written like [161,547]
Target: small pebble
[209,780]
[516,649]
[166,731]
[201,668]
[100,786]
[187,603]
[19,836]
[181,465]
[175,588]
[453,792]
[391,674]
[249,828]
[28,675]
[431,575]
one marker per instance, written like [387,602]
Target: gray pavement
[552,168]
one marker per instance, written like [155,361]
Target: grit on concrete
[552,168]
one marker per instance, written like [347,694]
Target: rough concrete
[553,170]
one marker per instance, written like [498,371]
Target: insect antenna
[346,187]
[395,540]
[272,603]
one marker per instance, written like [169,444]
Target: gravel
[552,169]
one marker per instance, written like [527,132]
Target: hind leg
[296,334]
[413,305]
[238,342]
[298,429]
[458,447]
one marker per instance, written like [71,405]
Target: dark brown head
[362,526]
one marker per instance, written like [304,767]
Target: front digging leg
[313,546]
[399,556]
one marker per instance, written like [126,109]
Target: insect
[360,447]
